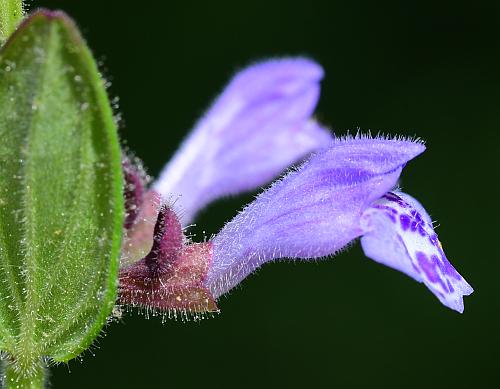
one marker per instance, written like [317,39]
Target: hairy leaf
[61,203]
[11,12]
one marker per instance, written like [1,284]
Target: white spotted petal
[398,233]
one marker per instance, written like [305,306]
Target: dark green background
[429,69]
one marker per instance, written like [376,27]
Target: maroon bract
[171,277]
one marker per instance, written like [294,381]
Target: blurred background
[429,69]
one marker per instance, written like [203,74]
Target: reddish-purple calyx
[171,276]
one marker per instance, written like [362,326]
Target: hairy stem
[13,377]
[11,13]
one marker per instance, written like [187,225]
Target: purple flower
[255,129]
[260,125]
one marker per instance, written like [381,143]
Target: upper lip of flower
[313,211]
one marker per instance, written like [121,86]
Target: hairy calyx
[171,276]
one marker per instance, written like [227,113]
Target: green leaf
[11,13]
[61,201]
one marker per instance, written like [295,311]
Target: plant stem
[13,378]
[11,13]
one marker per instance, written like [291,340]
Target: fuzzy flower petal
[398,233]
[312,212]
[258,126]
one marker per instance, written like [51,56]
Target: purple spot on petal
[391,196]
[429,268]
[391,216]
[385,208]
[396,199]
[441,265]
[449,269]
[388,211]
[450,287]
[405,222]
[434,240]
[416,215]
